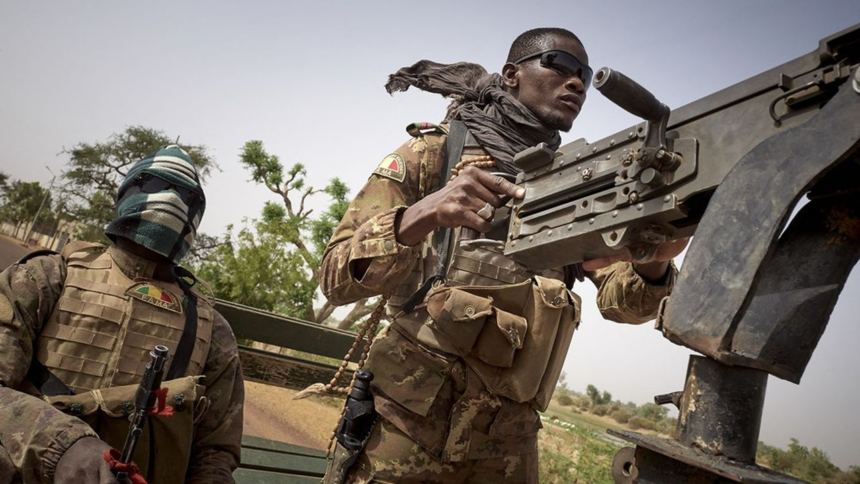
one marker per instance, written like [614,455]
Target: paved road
[11,250]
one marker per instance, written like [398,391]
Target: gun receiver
[652,182]
[144,402]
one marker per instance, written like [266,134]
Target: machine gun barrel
[144,402]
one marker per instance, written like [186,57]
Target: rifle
[144,402]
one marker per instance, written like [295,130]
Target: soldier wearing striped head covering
[160,204]
[76,330]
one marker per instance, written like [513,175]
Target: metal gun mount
[755,293]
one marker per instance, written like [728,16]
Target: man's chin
[558,122]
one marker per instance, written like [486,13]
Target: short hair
[534,40]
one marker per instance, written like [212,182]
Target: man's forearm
[36,435]
[652,271]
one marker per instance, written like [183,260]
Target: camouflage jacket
[35,435]
[436,402]
[367,232]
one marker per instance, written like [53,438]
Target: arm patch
[392,166]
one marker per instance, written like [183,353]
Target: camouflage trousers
[392,457]
[8,472]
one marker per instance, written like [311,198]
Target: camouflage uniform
[33,434]
[439,422]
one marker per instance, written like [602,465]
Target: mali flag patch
[152,294]
[392,166]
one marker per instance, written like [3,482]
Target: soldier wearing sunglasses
[76,330]
[464,364]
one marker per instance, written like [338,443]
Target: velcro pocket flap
[503,334]
[461,317]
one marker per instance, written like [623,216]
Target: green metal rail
[266,461]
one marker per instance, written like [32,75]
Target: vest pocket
[460,316]
[502,336]
[406,373]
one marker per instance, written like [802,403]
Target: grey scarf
[502,125]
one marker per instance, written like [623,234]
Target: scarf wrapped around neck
[502,125]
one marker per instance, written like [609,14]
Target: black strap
[189,335]
[47,383]
[442,235]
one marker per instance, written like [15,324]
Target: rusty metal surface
[799,285]
[721,409]
[665,461]
[737,232]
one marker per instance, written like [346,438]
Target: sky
[307,79]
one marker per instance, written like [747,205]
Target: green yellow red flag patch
[151,294]
[392,166]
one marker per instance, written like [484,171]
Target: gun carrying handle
[628,94]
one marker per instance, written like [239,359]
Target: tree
[21,201]
[4,181]
[595,396]
[288,239]
[561,386]
[96,170]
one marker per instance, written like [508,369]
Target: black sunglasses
[563,63]
[149,183]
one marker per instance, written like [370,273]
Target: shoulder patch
[151,294]
[392,166]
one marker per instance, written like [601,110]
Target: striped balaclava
[160,204]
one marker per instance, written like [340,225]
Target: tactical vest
[97,341]
[104,324]
[492,332]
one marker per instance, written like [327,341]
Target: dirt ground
[271,413]
[11,250]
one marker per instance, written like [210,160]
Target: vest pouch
[503,334]
[459,315]
[404,372]
[548,313]
[164,448]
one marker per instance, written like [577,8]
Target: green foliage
[637,422]
[4,183]
[564,400]
[323,227]
[576,455]
[621,415]
[596,397]
[600,410]
[257,268]
[21,201]
[273,263]
[96,170]
[653,412]
[813,464]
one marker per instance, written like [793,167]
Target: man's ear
[511,76]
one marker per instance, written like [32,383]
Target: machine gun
[755,293]
[653,182]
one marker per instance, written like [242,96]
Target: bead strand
[480,161]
